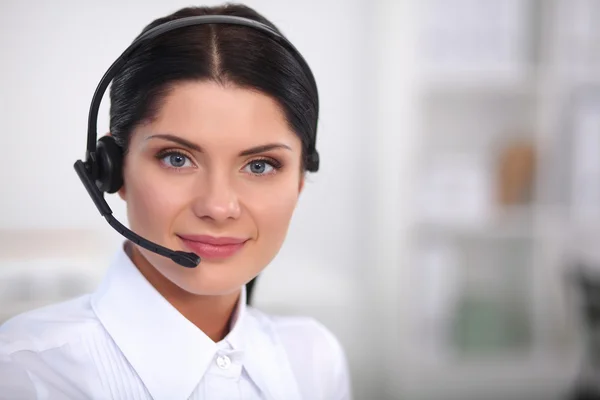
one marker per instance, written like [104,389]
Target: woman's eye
[259,167]
[176,160]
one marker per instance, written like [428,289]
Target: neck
[211,314]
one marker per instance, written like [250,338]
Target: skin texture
[212,190]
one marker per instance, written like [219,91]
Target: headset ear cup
[312,161]
[110,165]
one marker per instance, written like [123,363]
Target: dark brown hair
[227,54]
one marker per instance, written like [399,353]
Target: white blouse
[125,341]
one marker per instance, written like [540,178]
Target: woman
[215,124]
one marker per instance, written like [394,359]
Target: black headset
[102,170]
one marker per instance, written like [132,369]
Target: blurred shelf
[518,222]
[580,76]
[480,85]
[531,83]
[475,232]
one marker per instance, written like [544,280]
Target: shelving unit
[508,175]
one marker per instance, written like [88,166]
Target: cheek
[150,194]
[272,209]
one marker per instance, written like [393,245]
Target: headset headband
[116,66]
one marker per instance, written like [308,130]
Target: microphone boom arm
[188,260]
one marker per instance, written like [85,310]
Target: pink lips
[210,247]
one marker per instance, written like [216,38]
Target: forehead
[209,113]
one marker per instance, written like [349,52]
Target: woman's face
[217,172]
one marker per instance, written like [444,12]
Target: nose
[217,199]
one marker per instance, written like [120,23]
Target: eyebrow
[193,146]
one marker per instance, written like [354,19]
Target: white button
[223,362]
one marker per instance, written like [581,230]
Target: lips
[209,247]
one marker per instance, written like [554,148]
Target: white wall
[394,116]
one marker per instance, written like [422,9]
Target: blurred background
[449,239]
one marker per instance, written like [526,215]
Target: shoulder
[298,331]
[42,350]
[47,327]
[316,355]
[307,332]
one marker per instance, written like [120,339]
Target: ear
[301,182]
[122,192]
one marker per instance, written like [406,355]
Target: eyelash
[277,165]
[171,152]
[271,161]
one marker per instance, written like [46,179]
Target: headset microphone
[102,169]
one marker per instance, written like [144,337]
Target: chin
[208,279]
[209,291]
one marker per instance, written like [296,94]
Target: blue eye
[176,160]
[259,167]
